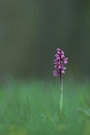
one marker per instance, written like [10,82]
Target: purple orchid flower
[59,62]
[60,69]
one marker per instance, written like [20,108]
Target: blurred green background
[31,30]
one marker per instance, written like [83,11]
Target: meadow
[32,108]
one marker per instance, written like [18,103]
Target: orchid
[59,63]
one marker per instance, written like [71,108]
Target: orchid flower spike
[59,62]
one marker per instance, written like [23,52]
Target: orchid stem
[61,93]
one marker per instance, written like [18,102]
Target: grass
[32,108]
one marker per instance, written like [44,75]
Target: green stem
[61,92]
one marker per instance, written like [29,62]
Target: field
[32,108]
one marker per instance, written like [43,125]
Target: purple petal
[59,67]
[62,52]
[62,71]
[58,49]
[56,55]
[55,73]
[55,66]
[62,56]
[58,58]
[58,52]
[65,62]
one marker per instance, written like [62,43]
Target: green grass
[32,108]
